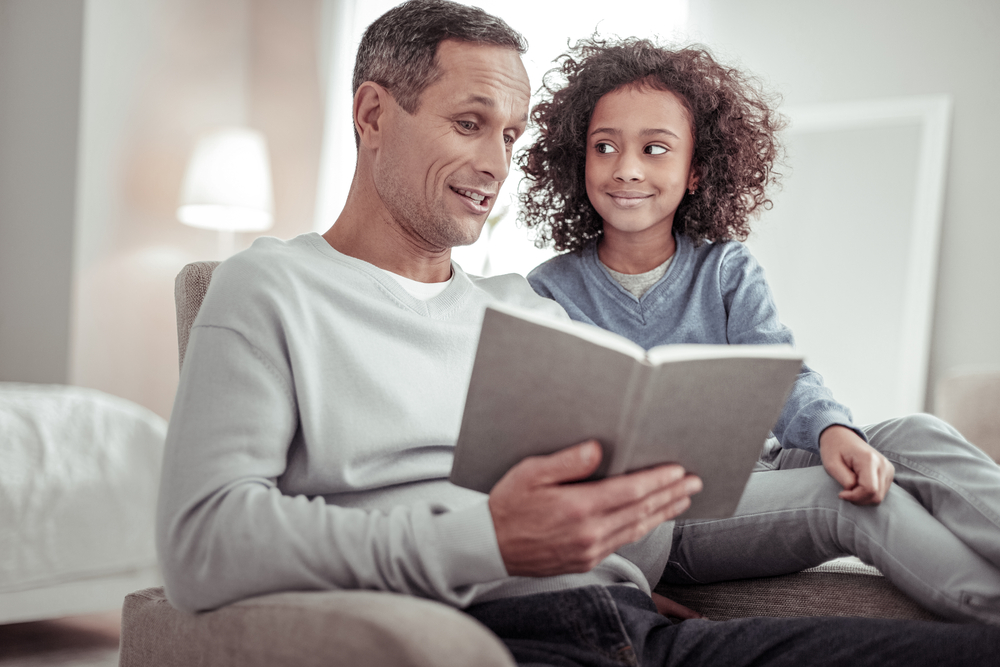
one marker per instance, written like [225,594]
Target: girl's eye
[605,148]
[655,150]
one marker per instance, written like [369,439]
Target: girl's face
[639,149]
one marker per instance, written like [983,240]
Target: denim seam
[934,474]
[609,612]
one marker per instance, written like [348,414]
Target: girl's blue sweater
[712,294]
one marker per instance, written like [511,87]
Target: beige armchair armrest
[306,629]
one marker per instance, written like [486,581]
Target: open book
[541,384]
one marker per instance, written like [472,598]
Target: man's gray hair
[398,49]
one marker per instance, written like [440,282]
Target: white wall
[158,71]
[40,46]
[101,102]
[834,50]
[157,74]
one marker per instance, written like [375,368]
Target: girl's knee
[922,421]
[912,433]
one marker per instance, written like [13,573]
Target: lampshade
[227,185]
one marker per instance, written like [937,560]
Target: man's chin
[464,232]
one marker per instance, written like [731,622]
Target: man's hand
[863,472]
[545,527]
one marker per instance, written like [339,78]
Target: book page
[587,332]
[712,416]
[666,353]
[535,390]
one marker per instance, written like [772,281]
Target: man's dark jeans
[613,626]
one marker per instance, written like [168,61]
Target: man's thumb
[568,465]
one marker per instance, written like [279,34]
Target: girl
[649,167]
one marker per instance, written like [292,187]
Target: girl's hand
[668,607]
[864,473]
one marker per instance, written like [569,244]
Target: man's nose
[493,158]
[628,168]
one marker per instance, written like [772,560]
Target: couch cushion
[971,403]
[303,629]
[843,587]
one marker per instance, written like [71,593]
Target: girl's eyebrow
[659,131]
[605,130]
[644,133]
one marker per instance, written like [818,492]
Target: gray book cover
[540,385]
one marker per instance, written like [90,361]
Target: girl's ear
[693,179]
[369,113]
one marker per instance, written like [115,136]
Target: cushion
[79,472]
[306,629]
[971,403]
[843,587]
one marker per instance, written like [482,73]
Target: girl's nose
[628,169]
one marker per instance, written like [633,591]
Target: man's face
[439,170]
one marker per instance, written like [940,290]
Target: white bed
[79,472]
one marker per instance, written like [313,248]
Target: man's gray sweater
[312,435]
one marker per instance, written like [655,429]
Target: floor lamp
[227,186]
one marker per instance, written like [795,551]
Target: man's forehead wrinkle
[481,99]
[489,75]
[492,104]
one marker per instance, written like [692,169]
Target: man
[322,390]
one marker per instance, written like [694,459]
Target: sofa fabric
[843,587]
[189,291]
[306,629]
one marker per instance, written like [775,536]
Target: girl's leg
[955,481]
[792,519]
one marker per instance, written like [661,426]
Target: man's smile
[476,198]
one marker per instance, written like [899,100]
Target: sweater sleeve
[752,319]
[225,530]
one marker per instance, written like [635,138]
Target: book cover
[539,385]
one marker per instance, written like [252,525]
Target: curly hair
[732,120]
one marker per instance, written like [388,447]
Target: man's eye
[467,125]
[655,150]
[605,148]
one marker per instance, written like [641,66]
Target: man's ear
[370,106]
